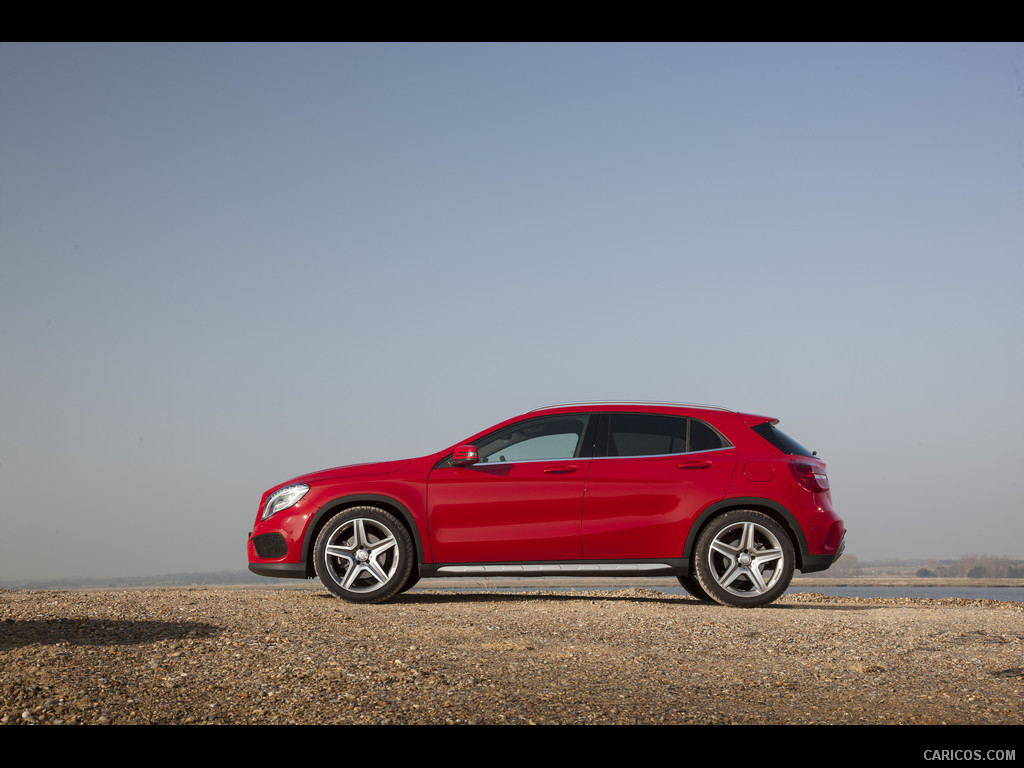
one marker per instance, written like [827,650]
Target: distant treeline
[971,566]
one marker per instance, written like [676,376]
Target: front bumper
[273,546]
[280,570]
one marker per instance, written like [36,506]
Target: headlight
[283,499]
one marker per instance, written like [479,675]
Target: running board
[556,569]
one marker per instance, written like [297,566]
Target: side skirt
[671,567]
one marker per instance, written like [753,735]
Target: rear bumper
[813,563]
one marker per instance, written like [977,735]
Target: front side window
[643,434]
[558,437]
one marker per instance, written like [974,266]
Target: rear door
[652,476]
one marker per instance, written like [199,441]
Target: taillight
[809,476]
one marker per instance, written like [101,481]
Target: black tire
[744,559]
[364,555]
[693,588]
[412,581]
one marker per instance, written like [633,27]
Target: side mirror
[465,455]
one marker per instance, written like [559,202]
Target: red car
[722,500]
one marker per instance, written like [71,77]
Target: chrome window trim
[666,455]
[594,458]
[482,463]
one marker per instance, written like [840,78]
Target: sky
[222,266]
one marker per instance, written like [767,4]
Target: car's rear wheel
[744,558]
[364,555]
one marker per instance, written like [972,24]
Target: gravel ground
[636,656]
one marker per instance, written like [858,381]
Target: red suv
[723,501]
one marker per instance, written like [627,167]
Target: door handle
[695,465]
[559,470]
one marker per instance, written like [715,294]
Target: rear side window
[644,434]
[781,440]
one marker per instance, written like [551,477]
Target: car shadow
[633,595]
[100,632]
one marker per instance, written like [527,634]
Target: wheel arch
[323,515]
[773,509]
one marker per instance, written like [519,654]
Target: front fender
[334,506]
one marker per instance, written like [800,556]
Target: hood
[351,470]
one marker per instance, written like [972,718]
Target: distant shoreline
[813,580]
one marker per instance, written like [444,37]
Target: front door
[523,500]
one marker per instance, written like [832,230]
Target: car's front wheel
[744,558]
[364,555]
[411,581]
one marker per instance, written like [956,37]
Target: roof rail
[632,402]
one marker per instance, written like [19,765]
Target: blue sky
[225,265]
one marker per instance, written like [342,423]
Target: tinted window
[781,440]
[643,434]
[558,437]
[640,434]
[704,438]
